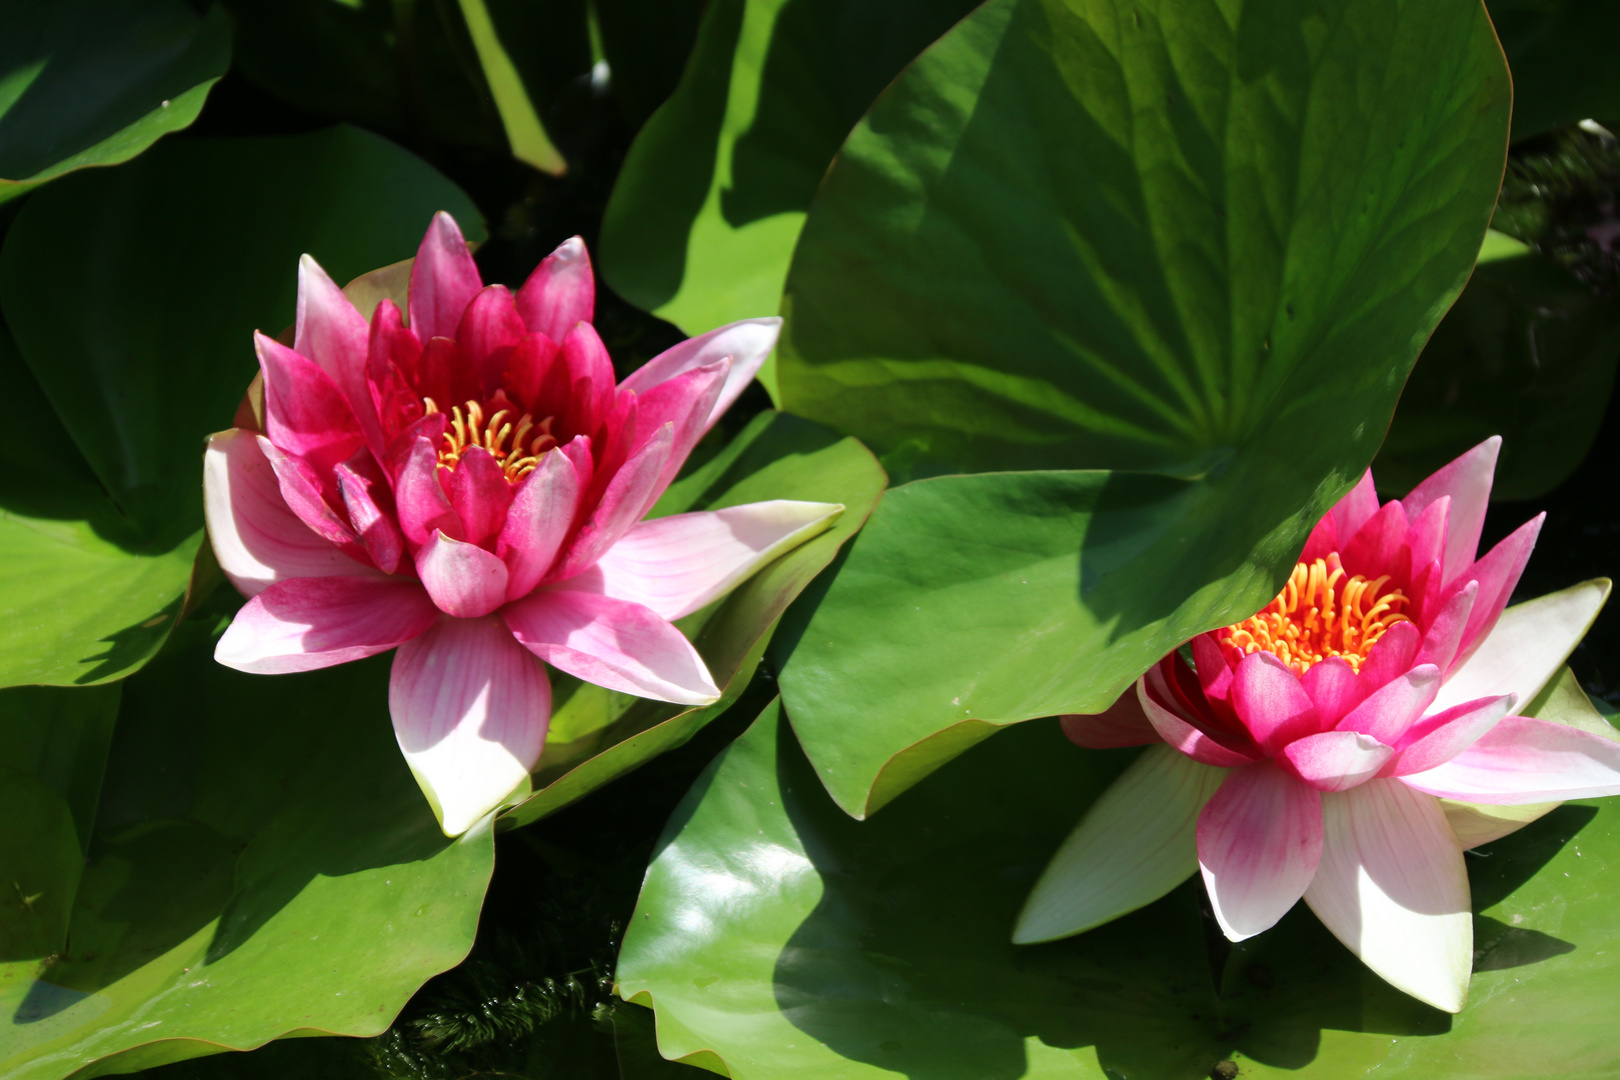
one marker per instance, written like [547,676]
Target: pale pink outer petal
[1183,736]
[541,514]
[1521,760]
[1474,825]
[1259,838]
[747,343]
[1396,706]
[1134,844]
[1336,760]
[257,539]
[444,280]
[1528,645]
[677,564]
[470,709]
[1122,724]
[1392,886]
[1467,481]
[463,579]
[1271,702]
[561,292]
[612,643]
[306,623]
[337,337]
[686,402]
[1441,737]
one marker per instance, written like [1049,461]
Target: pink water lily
[1306,750]
[465,481]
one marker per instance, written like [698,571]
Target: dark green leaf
[598,735]
[705,213]
[95,82]
[778,939]
[1562,56]
[647,44]
[1202,242]
[1528,352]
[133,295]
[262,863]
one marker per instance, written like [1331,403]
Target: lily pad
[598,735]
[703,218]
[132,295]
[262,863]
[776,938]
[1203,244]
[95,82]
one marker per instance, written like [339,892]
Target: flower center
[490,425]
[1321,612]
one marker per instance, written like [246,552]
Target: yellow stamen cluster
[469,427]
[1321,612]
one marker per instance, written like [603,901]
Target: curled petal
[1392,886]
[305,413]
[1259,839]
[1134,844]
[257,539]
[612,643]
[1528,645]
[1182,734]
[1521,760]
[367,498]
[747,343]
[677,564]
[333,334]
[1335,760]
[306,623]
[444,280]
[1467,483]
[463,579]
[470,710]
[561,293]
[305,496]
[1122,724]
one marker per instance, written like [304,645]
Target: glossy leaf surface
[598,735]
[262,862]
[777,938]
[133,295]
[1206,244]
[95,82]
[703,219]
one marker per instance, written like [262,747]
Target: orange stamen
[1321,612]
[489,425]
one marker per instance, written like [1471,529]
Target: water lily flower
[1306,749]
[465,481]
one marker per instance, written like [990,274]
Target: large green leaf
[599,735]
[705,213]
[1528,352]
[262,863]
[133,295]
[95,82]
[1203,242]
[778,939]
[1562,56]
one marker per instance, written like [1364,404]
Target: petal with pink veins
[627,498]
[686,401]
[561,292]
[1445,634]
[1185,737]
[1528,645]
[305,414]
[1271,702]
[1521,760]
[332,333]
[422,505]
[1134,845]
[463,579]
[444,280]
[537,524]
[1334,688]
[306,623]
[362,485]
[471,708]
[677,564]
[747,343]
[1437,739]
[480,495]
[1467,483]
[1259,838]
[1396,706]
[301,488]
[1335,760]
[1497,573]
[1122,724]
[1392,886]
[257,539]
[612,643]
